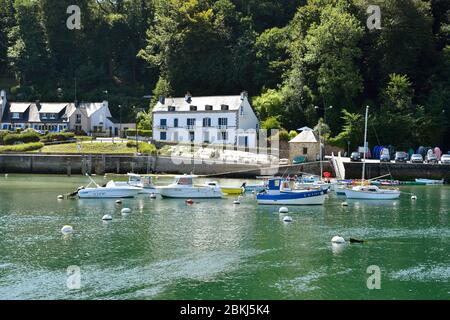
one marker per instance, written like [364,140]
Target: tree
[268,104]
[271,123]
[29,54]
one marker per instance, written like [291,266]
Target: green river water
[215,249]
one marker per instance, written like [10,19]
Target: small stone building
[306,143]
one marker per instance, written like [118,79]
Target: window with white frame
[223,122]
[222,136]
[15,115]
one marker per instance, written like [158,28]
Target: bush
[141,133]
[22,147]
[292,134]
[58,136]
[3,133]
[147,148]
[283,135]
[25,137]
[131,144]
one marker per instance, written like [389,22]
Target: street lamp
[120,121]
[324,111]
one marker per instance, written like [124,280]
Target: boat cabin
[184,180]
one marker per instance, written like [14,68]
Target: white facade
[226,120]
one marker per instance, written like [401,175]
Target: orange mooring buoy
[189,201]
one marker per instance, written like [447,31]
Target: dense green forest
[290,55]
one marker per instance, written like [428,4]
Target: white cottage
[226,120]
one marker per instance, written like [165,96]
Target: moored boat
[110,190]
[232,190]
[183,187]
[371,193]
[429,181]
[144,183]
[278,193]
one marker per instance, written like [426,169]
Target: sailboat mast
[365,144]
[320,152]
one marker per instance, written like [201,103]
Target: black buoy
[356,241]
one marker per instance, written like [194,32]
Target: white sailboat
[370,192]
[183,187]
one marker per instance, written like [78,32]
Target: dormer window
[52,116]
[44,116]
[208,107]
[193,108]
[171,108]
[224,107]
[15,115]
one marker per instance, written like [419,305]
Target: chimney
[105,103]
[244,94]
[162,99]
[188,97]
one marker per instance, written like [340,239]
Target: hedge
[147,148]
[25,137]
[22,147]
[141,133]
[58,136]
[3,133]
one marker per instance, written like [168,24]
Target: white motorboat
[371,193]
[183,187]
[144,183]
[110,190]
[429,181]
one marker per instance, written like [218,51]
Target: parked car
[299,159]
[355,156]
[445,159]
[401,156]
[384,155]
[431,158]
[416,158]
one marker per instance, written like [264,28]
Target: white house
[212,120]
[90,117]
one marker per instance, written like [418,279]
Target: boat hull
[192,193]
[231,190]
[104,193]
[292,198]
[367,195]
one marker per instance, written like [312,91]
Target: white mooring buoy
[60,197]
[119,201]
[66,229]
[283,210]
[152,196]
[287,219]
[125,210]
[107,217]
[236,202]
[414,197]
[344,204]
[337,239]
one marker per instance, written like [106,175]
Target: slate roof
[180,104]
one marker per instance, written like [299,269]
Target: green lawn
[88,147]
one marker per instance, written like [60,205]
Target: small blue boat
[280,193]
